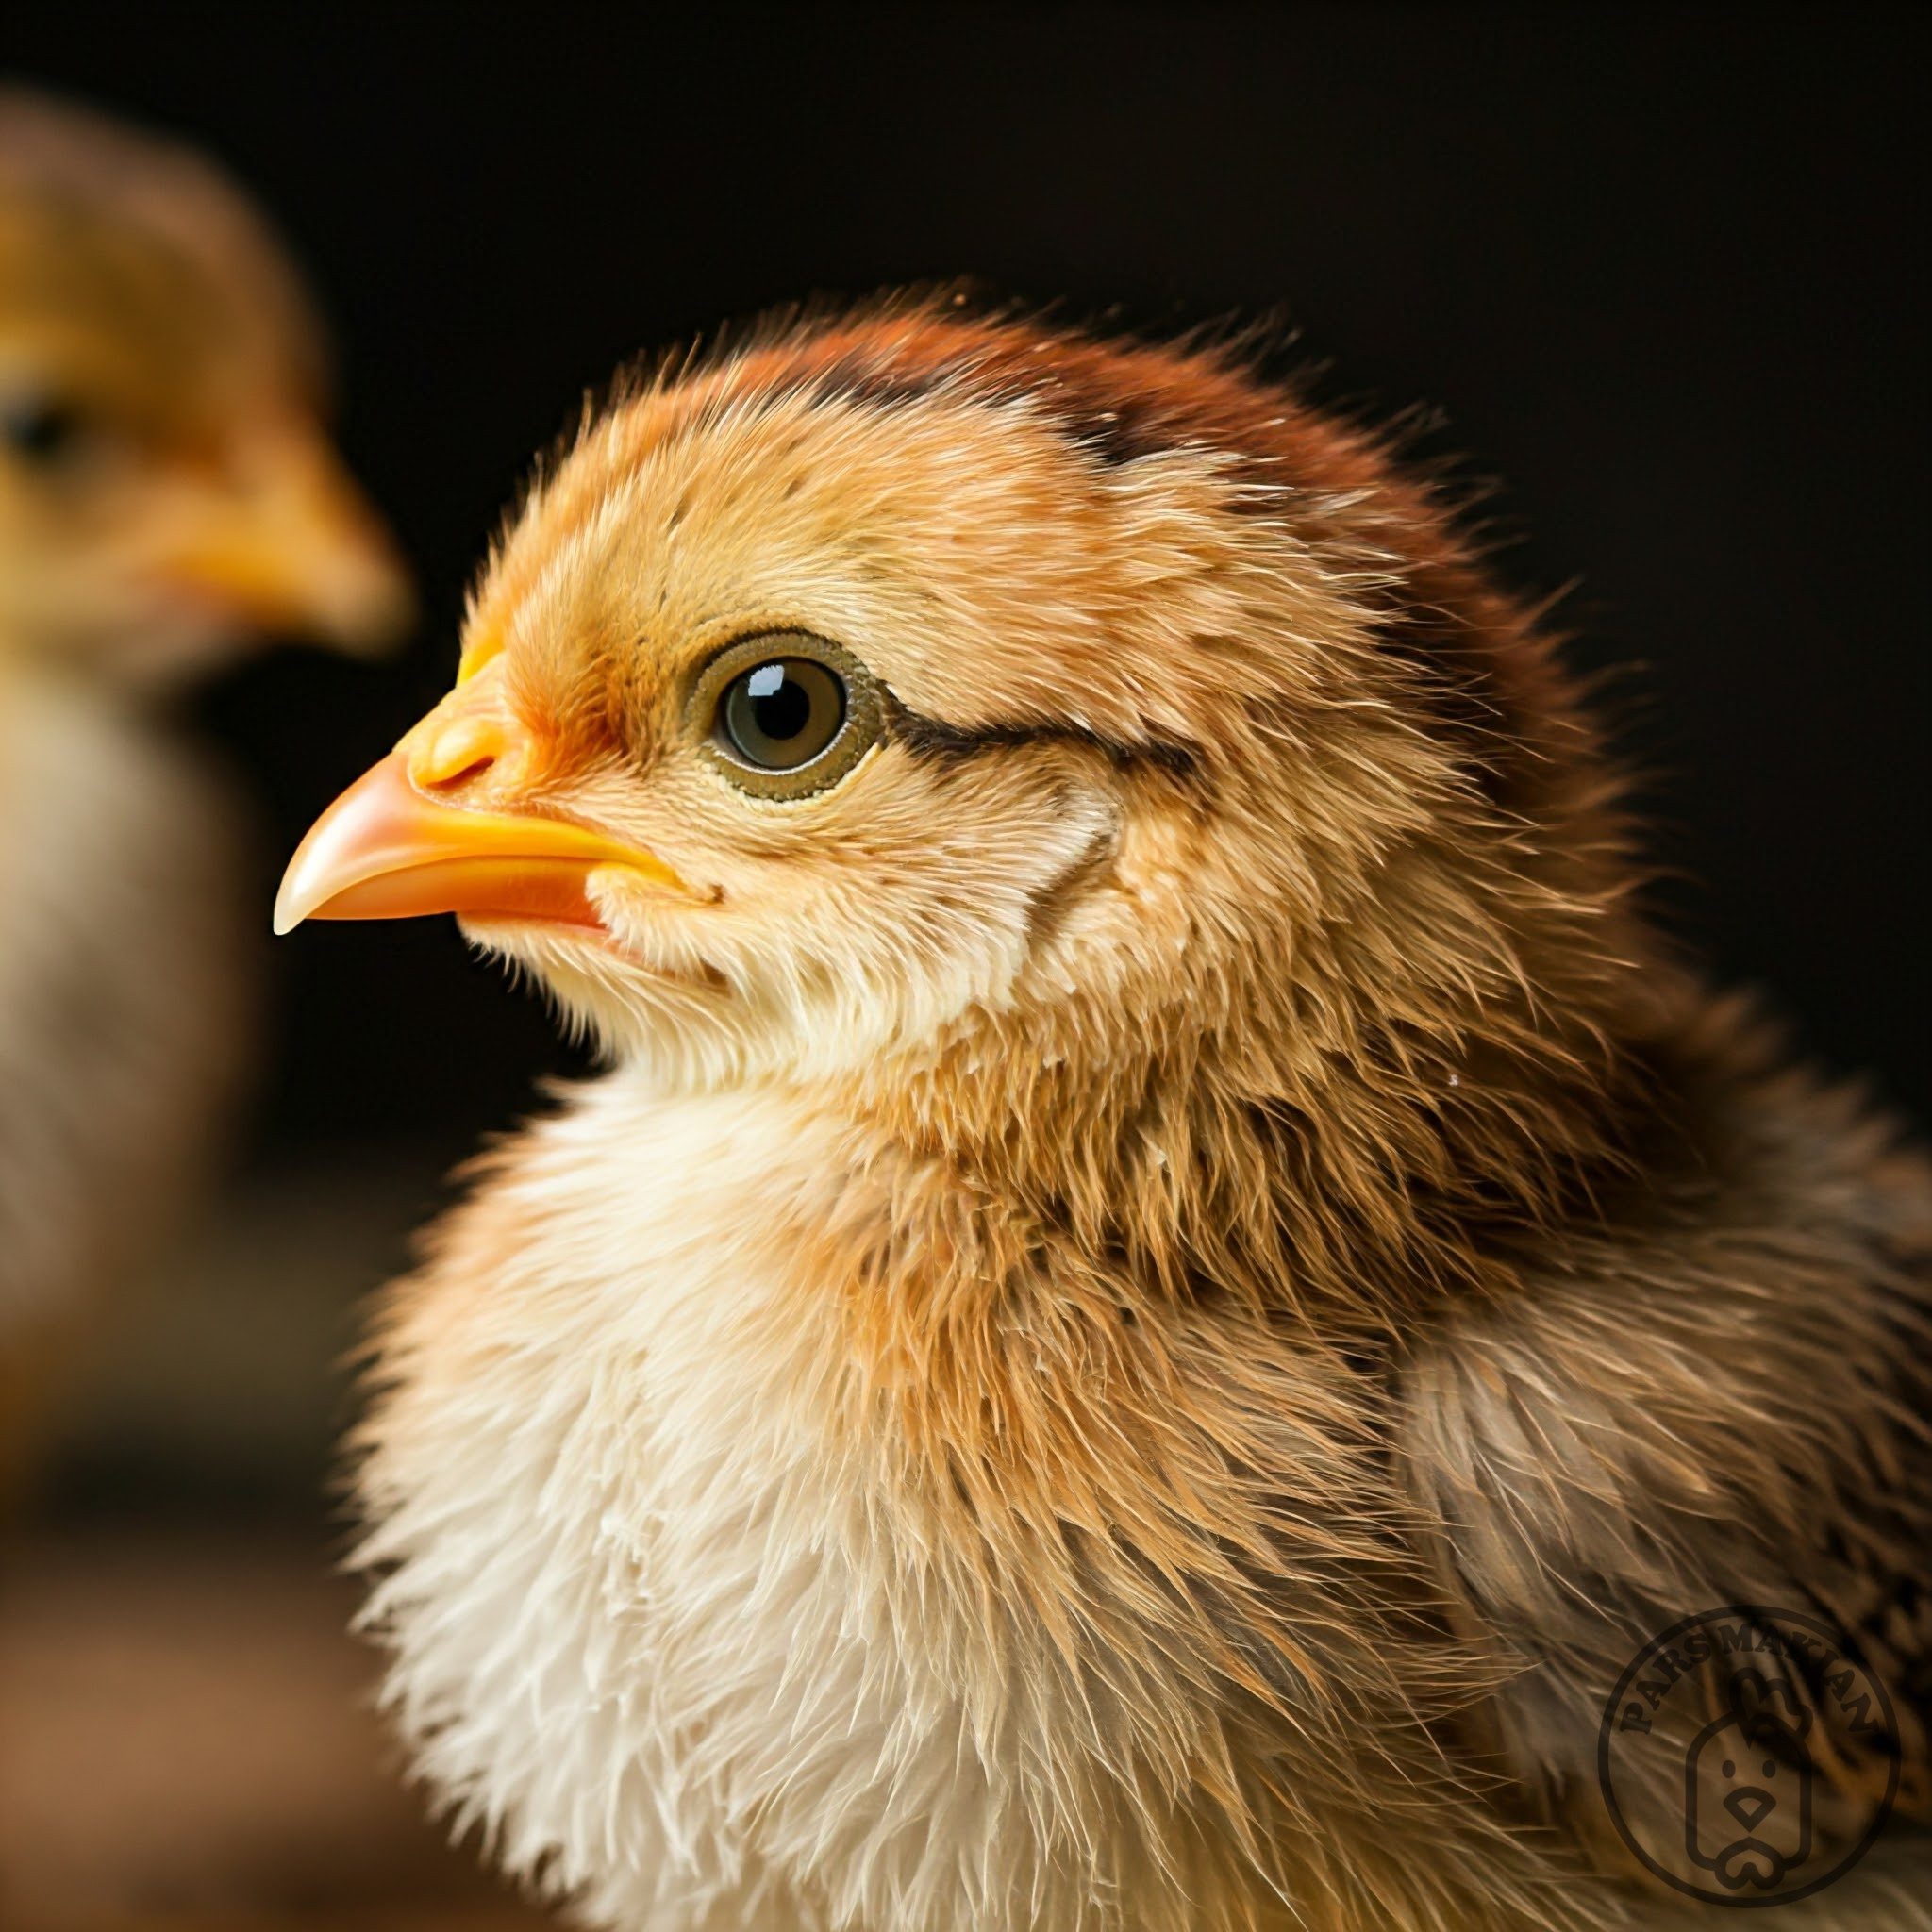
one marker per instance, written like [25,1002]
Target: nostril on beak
[474,769]
[460,753]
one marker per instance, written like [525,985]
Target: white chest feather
[627,1637]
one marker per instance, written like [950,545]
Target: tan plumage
[1166,1277]
[166,492]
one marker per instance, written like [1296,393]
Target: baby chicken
[1165,1280]
[166,489]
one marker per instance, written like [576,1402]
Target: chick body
[1167,1278]
[166,495]
[695,1658]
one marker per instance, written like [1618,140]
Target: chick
[1165,1277]
[167,490]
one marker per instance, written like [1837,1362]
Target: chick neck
[1305,1150]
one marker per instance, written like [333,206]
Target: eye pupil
[781,715]
[781,706]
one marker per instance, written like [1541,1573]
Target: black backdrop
[1655,268]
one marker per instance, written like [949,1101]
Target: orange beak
[414,835]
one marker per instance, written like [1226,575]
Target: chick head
[1039,727]
[167,487]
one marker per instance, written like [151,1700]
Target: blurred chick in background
[168,492]
[1167,1279]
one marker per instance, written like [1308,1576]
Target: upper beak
[412,836]
[289,545]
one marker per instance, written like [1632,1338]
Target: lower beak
[386,850]
[293,548]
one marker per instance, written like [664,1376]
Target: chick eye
[39,427]
[786,714]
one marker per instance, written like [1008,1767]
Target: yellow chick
[166,492]
[1165,1281]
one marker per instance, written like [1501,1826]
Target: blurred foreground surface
[187,1740]
[188,1743]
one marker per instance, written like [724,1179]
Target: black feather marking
[933,740]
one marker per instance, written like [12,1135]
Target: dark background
[1652,268]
